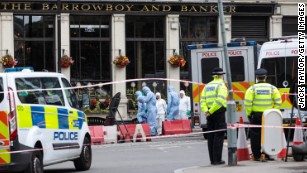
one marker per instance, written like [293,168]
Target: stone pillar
[172,43]
[276,26]
[65,41]
[119,74]
[6,35]
[227,29]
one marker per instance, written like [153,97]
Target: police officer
[258,98]
[213,105]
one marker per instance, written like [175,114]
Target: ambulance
[204,57]
[40,123]
[280,57]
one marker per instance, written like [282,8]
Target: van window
[207,65]
[237,68]
[280,70]
[1,89]
[70,94]
[38,90]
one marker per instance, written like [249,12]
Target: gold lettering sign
[125,7]
[166,8]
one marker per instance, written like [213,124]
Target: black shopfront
[90,31]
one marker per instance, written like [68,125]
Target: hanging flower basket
[66,61]
[121,61]
[8,61]
[177,61]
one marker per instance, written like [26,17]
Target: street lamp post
[59,34]
[231,106]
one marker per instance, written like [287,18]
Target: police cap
[261,72]
[217,71]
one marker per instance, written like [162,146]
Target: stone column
[172,43]
[276,26]
[6,35]
[65,41]
[227,29]
[119,74]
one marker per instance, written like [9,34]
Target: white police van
[40,123]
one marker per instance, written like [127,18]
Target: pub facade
[94,33]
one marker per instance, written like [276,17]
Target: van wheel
[36,164]
[85,160]
[298,157]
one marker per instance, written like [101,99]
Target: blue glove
[188,112]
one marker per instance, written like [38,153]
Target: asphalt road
[161,155]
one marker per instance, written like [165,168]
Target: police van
[280,57]
[204,57]
[40,123]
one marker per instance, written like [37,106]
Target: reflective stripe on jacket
[214,96]
[260,97]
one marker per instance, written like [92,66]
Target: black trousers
[255,134]
[216,121]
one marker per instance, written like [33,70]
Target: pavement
[278,166]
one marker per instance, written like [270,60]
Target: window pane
[74,26]
[160,28]
[90,57]
[207,65]
[130,30]
[33,26]
[34,55]
[49,26]
[160,57]
[105,26]
[278,71]
[145,27]
[131,53]
[41,91]
[89,26]
[19,53]
[75,54]
[49,56]
[200,28]
[105,63]
[70,94]
[18,27]
[237,74]
[38,54]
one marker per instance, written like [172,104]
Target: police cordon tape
[229,126]
[130,80]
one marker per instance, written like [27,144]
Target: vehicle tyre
[298,157]
[85,160]
[36,164]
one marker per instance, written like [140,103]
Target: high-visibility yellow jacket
[260,97]
[214,96]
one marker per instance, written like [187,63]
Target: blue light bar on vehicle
[236,44]
[201,46]
[17,69]
[251,43]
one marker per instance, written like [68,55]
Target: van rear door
[203,61]
[5,157]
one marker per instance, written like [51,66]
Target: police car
[40,123]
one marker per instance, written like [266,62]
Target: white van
[40,123]
[280,58]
